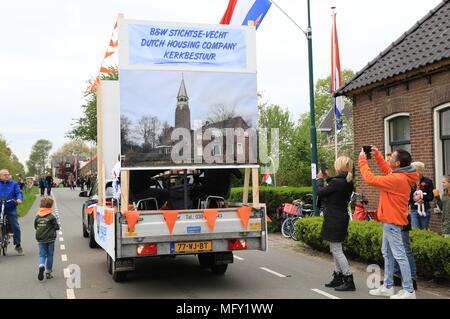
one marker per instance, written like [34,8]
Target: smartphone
[323,167]
[367,150]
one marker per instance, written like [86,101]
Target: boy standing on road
[46,226]
[395,187]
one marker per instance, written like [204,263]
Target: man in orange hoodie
[395,188]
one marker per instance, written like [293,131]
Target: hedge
[29,196]
[272,197]
[431,251]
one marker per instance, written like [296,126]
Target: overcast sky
[50,48]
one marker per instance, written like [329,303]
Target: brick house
[402,99]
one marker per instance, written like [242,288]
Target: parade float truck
[168,74]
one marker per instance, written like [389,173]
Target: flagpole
[312,116]
[335,137]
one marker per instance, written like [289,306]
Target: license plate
[187,247]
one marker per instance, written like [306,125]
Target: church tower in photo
[182,113]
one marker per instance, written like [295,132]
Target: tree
[323,103]
[10,161]
[73,148]
[274,117]
[147,129]
[221,112]
[39,157]
[85,128]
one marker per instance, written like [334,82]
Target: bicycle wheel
[294,235]
[286,228]
[4,239]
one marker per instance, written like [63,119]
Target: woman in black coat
[337,194]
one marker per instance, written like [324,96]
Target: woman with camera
[337,194]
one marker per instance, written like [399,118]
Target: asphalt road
[281,273]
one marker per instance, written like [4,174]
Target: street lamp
[312,115]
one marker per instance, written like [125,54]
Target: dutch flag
[244,11]
[336,77]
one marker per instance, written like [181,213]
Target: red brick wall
[418,98]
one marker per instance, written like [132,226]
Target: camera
[367,150]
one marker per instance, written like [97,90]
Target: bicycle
[291,213]
[4,232]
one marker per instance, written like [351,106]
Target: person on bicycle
[9,189]
[337,194]
[395,187]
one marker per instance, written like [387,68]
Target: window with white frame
[398,133]
[444,124]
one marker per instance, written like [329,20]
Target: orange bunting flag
[244,214]
[109,53]
[113,44]
[105,70]
[132,218]
[210,216]
[108,217]
[170,217]
[268,219]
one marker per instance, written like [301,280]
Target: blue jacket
[10,190]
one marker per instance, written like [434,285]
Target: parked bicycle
[290,213]
[360,211]
[4,227]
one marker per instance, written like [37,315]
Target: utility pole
[312,115]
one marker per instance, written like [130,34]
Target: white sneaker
[382,291]
[404,294]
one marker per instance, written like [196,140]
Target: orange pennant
[244,214]
[170,216]
[132,218]
[113,44]
[108,216]
[105,70]
[210,216]
[109,53]
[268,219]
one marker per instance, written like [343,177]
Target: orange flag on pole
[211,216]
[170,217]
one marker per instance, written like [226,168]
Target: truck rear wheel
[109,262]
[219,269]
[205,260]
[118,276]
[85,232]
[92,242]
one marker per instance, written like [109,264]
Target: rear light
[146,249]
[237,244]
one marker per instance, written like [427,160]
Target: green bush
[29,197]
[272,197]
[431,251]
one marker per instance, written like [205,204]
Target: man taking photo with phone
[395,187]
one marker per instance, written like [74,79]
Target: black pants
[42,191]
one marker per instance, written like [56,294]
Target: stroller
[361,212]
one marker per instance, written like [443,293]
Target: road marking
[61,238]
[238,258]
[62,247]
[70,294]
[273,272]
[64,257]
[60,233]
[66,273]
[326,294]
